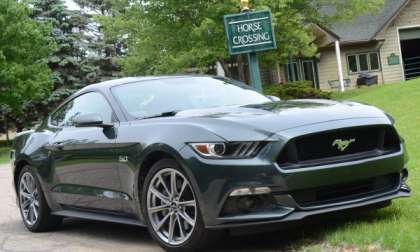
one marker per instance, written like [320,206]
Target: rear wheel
[171,209]
[33,207]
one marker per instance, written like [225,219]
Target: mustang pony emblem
[342,145]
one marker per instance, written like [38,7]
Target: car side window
[85,104]
[57,119]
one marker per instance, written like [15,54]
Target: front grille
[331,147]
[346,192]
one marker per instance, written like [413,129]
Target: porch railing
[335,84]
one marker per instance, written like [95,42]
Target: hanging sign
[249,32]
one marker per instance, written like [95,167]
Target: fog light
[247,204]
[250,191]
[404,175]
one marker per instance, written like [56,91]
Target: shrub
[4,143]
[296,90]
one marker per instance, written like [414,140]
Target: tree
[101,7]
[24,45]
[108,47]
[166,36]
[79,60]
[70,62]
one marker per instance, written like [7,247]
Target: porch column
[339,65]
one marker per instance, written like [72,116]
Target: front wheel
[36,214]
[171,208]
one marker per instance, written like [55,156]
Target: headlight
[228,150]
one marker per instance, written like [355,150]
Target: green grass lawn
[4,155]
[396,228]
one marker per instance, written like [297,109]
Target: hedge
[296,90]
[4,143]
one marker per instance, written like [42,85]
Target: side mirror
[273,98]
[90,120]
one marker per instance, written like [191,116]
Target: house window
[302,70]
[363,62]
[374,61]
[293,74]
[352,60]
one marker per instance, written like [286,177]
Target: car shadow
[300,234]
[303,233]
[105,230]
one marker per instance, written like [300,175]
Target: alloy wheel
[171,206]
[29,198]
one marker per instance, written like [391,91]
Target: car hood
[270,118]
[256,122]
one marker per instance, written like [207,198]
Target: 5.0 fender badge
[123,159]
[342,145]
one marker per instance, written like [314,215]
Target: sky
[71,5]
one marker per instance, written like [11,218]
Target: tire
[196,237]
[29,192]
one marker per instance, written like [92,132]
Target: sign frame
[247,18]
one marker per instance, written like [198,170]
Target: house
[385,45]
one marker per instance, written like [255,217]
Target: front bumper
[214,180]
[290,214]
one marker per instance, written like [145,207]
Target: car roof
[111,83]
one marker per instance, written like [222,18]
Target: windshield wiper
[163,114]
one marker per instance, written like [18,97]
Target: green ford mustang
[188,156]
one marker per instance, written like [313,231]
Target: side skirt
[98,217]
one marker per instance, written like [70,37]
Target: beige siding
[328,69]
[410,16]
[12,135]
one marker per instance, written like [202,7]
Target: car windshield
[154,97]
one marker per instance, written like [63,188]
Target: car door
[84,158]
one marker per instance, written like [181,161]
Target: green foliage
[80,57]
[24,43]
[167,36]
[296,90]
[4,155]
[4,144]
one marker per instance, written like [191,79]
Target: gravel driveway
[82,235]
[74,235]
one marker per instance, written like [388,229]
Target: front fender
[150,151]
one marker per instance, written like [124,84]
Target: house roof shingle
[365,28]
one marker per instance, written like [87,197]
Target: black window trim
[50,125]
[368,53]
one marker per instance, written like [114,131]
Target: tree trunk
[19,126]
[241,68]
[225,67]
[6,127]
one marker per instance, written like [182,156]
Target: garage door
[410,49]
